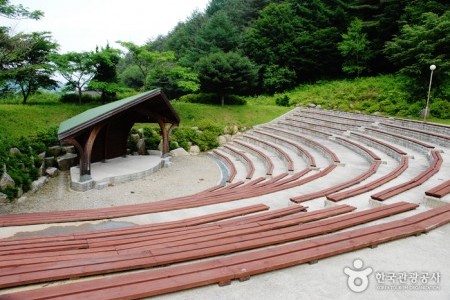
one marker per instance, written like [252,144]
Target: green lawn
[191,114]
[382,94]
[23,120]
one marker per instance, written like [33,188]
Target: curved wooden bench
[416,181]
[403,165]
[310,142]
[244,158]
[429,136]
[380,144]
[19,251]
[283,155]
[297,125]
[302,152]
[324,113]
[182,247]
[240,266]
[440,190]
[324,192]
[320,121]
[402,137]
[315,125]
[231,166]
[266,160]
[358,117]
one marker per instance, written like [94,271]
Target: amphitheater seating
[164,249]
[251,239]
[245,158]
[241,266]
[418,180]
[281,153]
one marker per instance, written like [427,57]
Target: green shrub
[151,138]
[440,108]
[10,192]
[283,101]
[204,98]
[73,98]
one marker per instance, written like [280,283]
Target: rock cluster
[53,160]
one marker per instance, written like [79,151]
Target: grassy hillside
[385,95]
[382,94]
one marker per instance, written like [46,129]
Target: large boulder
[37,184]
[14,151]
[178,152]
[69,149]
[49,162]
[52,172]
[3,198]
[6,180]
[222,140]
[55,150]
[135,137]
[140,145]
[66,161]
[194,150]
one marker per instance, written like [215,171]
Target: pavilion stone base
[120,169]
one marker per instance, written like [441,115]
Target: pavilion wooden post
[166,132]
[85,152]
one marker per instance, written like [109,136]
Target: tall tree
[420,45]
[226,74]
[159,69]
[219,34]
[185,40]
[355,49]
[77,68]
[296,36]
[18,11]
[105,79]
[30,67]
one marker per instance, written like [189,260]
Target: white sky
[80,25]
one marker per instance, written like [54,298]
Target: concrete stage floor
[120,169]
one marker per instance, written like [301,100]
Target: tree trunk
[80,93]
[222,100]
[25,94]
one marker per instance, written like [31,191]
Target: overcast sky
[80,25]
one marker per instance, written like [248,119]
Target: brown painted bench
[229,163]
[292,124]
[240,266]
[339,117]
[164,250]
[440,190]
[314,125]
[265,159]
[429,136]
[28,250]
[319,121]
[283,155]
[248,162]
[302,152]
[402,166]
[369,172]
[333,157]
[416,181]
[421,144]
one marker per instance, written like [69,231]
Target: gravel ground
[187,175]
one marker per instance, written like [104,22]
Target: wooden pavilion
[101,133]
